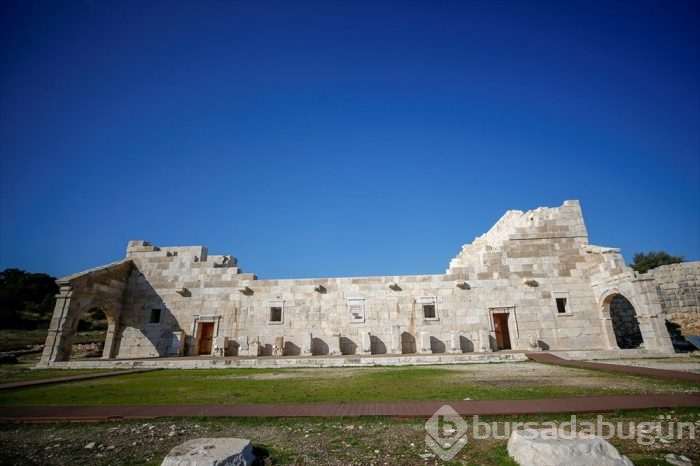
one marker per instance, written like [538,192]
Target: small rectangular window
[155,316]
[561,305]
[275,314]
[428,304]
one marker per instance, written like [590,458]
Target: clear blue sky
[330,138]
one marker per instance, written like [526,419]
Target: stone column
[484,341]
[366,343]
[60,335]
[306,344]
[609,339]
[220,343]
[255,348]
[334,345]
[650,317]
[110,349]
[532,342]
[395,340]
[181,338]
[278,347]
[455,346]
[190,345]
[243,346]
[110,339]
[425,342]
[655,334]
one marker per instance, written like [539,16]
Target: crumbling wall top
[540,223]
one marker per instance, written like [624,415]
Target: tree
[642,263]
[25,298]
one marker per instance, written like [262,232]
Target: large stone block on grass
[211,452]
[556,447]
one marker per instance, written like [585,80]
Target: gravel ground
[357,441]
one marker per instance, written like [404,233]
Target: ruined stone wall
[528,259]
[533,274]
[678,287]
[183,283]
[213,293]
[535,267]
[521,266]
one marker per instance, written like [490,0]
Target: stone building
[531,282]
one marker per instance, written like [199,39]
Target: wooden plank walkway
[548,358]
[422,409]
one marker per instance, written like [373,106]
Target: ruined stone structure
[678,287]
[531,282]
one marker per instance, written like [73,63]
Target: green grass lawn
[379,384]
[10,373]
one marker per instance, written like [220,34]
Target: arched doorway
[90,334]
[624,322]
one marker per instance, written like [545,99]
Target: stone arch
[101,287]
[624,320]
[641,295]
[90,331]
[70,306]
[73,322]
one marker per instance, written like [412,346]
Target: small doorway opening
[206,336]
[624,321]
[90,334]
[500,326]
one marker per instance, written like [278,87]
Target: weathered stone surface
[334,345]
[573,305]
[243,346]
[425,346]
[678,460]
[307,343]
[278,347]
[211,452]
[484,341]
[552,447]
[395,339]
[455,346]
[678,287]
[366,343]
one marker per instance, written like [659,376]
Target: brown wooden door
[205,337]
[500,324]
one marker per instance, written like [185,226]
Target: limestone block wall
[184,284]
[532,276]
[521,267]
[533,257]
[678,287]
